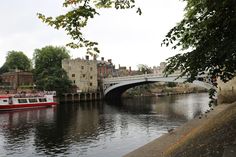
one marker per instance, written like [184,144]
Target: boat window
[22,100]
[10,100]
[42,100]
[4,100]
[33,100]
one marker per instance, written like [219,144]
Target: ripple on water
[94,129]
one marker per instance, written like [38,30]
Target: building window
[91,69]
[91,77]
[73,75]
[83,75]
[74,81]
[91,84]
[82,67]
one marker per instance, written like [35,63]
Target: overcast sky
[123,36]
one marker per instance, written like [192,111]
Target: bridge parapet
[136,77]
[120,84]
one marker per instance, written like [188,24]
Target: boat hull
[25,106]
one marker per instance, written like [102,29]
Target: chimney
[87,57]
[102,58]
[94,57]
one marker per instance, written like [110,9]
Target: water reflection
[18,127]
[95,129]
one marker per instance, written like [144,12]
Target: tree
[48,72]
[144,69]
[76,19]
[16,60]
[207,32]
[4,68]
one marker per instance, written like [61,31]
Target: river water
[95,129]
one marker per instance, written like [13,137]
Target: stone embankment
[210,135]
[77,97]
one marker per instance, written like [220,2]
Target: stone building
[105,69]
[17,79]
[82,73]
[123,71]
[159,69]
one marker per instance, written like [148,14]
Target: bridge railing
[130,77]
[135,77]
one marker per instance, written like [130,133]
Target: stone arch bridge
[115,86]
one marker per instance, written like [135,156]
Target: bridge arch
[115,87]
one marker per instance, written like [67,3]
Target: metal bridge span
[115,86]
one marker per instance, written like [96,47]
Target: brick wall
[17,79]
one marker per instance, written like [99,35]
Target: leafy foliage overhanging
[208,34]
[77,18]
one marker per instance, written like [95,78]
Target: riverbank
[163,89]
[212,135]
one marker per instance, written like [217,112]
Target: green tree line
[47,71]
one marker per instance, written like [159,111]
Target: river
[95,129]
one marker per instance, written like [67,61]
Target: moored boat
[12,102]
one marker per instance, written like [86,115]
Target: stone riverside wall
[77,97]
[226,91]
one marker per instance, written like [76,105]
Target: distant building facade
[82,73]
[105,69]
[17,79]
[123,71]
[158,70]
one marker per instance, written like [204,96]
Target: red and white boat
[12,102]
